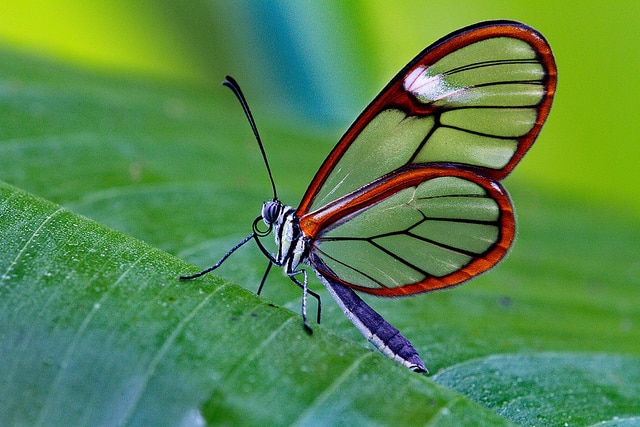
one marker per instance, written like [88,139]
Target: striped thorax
[291,242]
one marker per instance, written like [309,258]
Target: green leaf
[552,389]
[96,328]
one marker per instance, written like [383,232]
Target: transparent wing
[476,100]
[417,230]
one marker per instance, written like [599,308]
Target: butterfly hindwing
[421,229]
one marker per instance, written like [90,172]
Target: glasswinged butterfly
[410,200]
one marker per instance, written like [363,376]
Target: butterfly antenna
[232,84]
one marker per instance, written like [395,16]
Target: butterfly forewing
[477,99]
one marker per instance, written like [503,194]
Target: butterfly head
[271,211]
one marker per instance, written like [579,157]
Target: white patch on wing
[428,88]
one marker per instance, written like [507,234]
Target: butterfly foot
[307,328]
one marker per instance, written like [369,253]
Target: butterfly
[410,200]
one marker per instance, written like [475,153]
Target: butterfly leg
[305,290]
[223,259]
[264,277]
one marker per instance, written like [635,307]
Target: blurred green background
[323,61]
[115,110]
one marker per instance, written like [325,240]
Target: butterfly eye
[270,211]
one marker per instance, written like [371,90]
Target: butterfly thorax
[291,242]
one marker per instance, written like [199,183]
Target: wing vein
[483,64]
